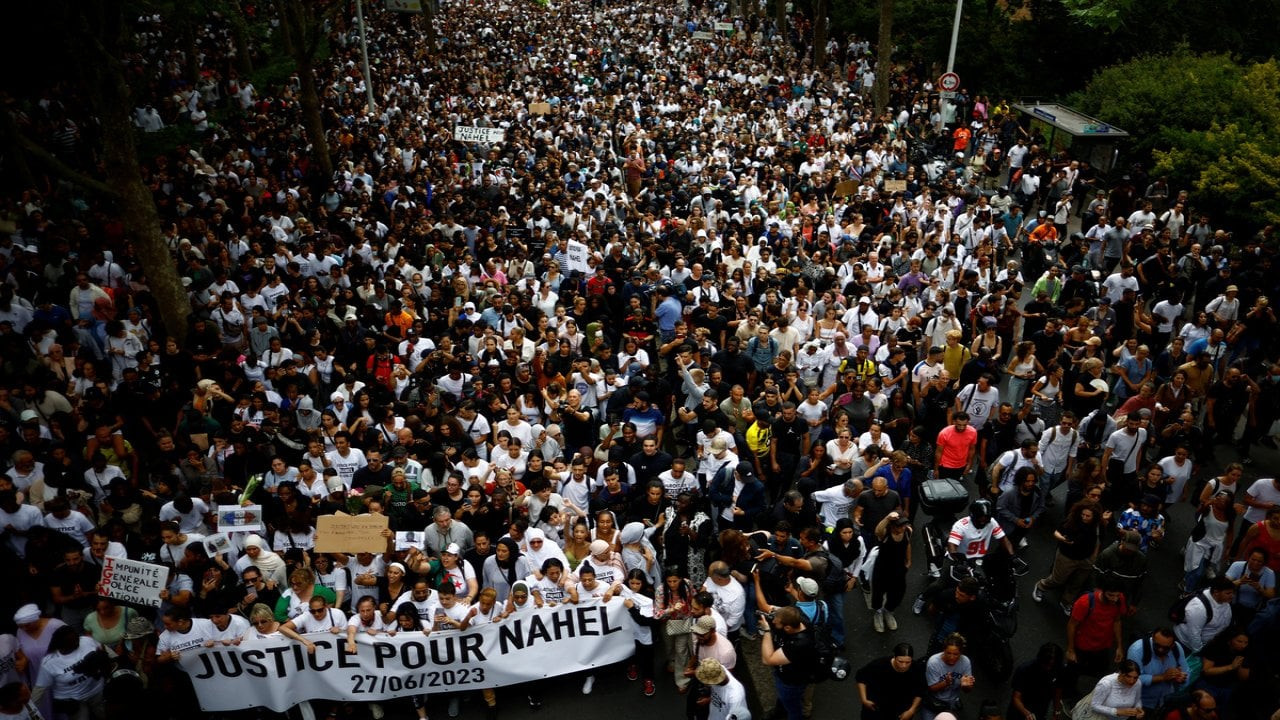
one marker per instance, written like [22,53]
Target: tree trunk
[884,56]
[306,30]
[240,36]
[98,41]
[821,9]
[312,118]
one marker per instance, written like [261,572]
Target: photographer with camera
[788,647]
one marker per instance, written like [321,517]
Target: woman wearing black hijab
[504,568]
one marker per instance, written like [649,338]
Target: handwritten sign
[467,133]
[236,518]
[724,27]
[578,257]
[703,35]
[131,581]
[846,188]
[350,533]
[405,6]
[540,108]
[892,186]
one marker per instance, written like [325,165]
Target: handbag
[1083,709]
[679,626]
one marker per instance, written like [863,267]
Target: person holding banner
[72,673]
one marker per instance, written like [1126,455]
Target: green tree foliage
[1210,123]
[1234,164]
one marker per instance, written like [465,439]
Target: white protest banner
[578,257]
[702,35]
[278,674]
[467,133]
[217,544]
[237,518]
[132,581]
[724,27]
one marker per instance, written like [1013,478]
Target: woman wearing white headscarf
[638,553]
[540,550]
[258,554]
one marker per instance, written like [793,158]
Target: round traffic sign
[949,82]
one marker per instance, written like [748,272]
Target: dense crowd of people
[641,347]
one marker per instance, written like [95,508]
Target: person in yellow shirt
[954,353]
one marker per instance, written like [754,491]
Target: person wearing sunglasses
[319,618]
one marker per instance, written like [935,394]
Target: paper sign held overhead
[703,35]
[236,518]
[131,581]
[467,133]
[892,186]
[578,256]
[350,534]
[540,108]
[724,27]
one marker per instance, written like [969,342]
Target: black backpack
[824,647]
[832,584]
[1178,610]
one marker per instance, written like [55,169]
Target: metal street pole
[955,35]
[364,53]
[951,56]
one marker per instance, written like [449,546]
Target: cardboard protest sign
[846,188]
[132,582]
[350,533]
[237,518]
[540,108]
[893,186]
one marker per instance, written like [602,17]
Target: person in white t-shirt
[72,524]
[980,400]
[228,628]
[319,618]
[728,698]
[972,536]
[181,633]
[423,599]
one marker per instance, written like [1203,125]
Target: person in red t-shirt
[956,448]
[1093,632]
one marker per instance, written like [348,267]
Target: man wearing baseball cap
[728,698]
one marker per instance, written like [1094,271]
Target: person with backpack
[1078,538]
[1059,446]
[1200,617]
[789,648]
[1162,664]
[1093,632]
[825,569]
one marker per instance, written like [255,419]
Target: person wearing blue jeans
[788,648]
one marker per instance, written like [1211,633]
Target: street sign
[947,95]
[949,82]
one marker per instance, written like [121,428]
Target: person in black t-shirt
[1037,686]
[891,687]
[788,647]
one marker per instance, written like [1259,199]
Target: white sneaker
[376,711]
[877,621]
[454,707]
[1036,593]
[1023,543]
[918,607]
[588,684]
[890,621]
